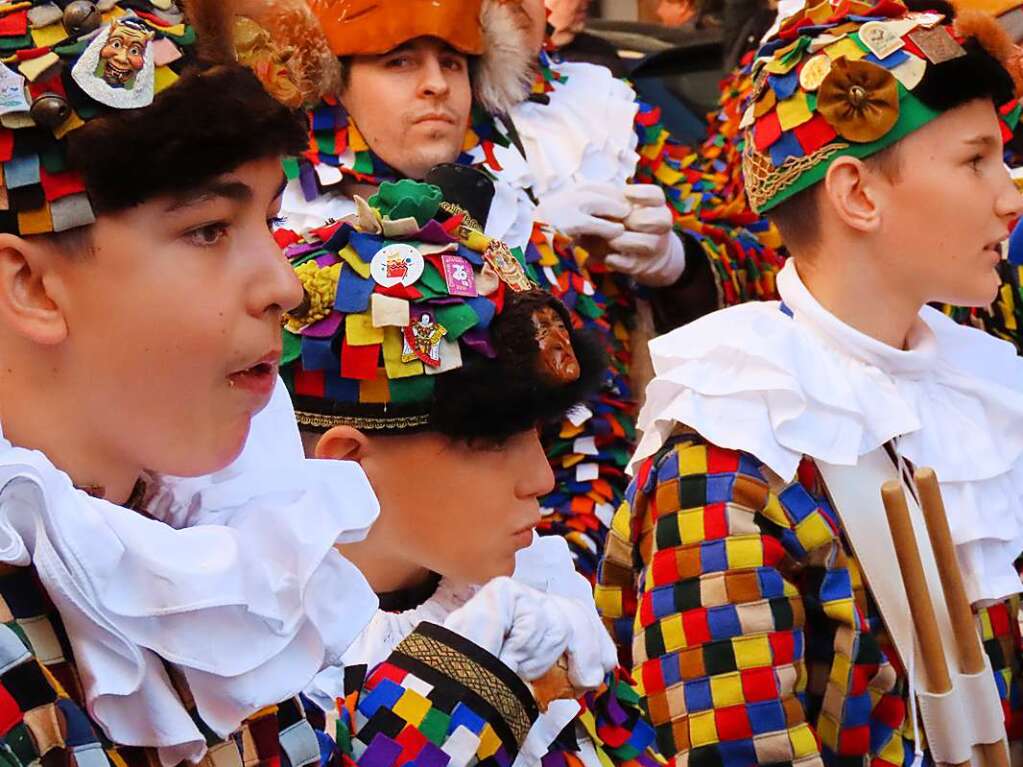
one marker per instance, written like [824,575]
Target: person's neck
[384,567]
[858,294]
[33,418]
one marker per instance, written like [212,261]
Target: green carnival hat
[852,78]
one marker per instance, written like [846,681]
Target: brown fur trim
[504,73]
[294,29]
[992,37]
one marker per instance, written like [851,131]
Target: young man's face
[949,208]
[174,321]
[412,105]
[458,510]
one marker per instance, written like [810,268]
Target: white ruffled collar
[248,599]
[781,381]
[585,132]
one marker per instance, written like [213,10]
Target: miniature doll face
[465,515]
[174,322]
[557,359]
[124,54]
[946,212]
[411,105]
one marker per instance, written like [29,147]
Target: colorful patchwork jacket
[753,637]
[437,701]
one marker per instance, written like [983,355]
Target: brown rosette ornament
[859,100]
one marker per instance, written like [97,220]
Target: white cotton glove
[530,631]
[648,250]
[595,210]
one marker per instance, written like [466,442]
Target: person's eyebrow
[982,141]
[236,191]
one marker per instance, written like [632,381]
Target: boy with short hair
[873,141]
[425,355]
[149,619]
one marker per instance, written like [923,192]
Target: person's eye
[454,64]
[399,62]
[207,236]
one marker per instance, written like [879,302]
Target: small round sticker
[397,265]
[814,72]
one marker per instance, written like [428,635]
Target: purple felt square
[325,328]
[382,752]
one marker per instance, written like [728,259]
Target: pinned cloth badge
[12,91]
[118,68]
[503,262]
[459,277]
[397,264]
[421,341]
[937,44]
[880,38]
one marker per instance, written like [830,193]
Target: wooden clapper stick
[968,650]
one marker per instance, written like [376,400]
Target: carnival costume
[756,637]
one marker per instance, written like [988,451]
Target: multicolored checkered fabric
[755,640]
[439,701]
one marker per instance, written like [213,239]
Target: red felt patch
[694,623]
[359,362]
[733,723]
[814,133]
[58,185]
[6,144]
[766,131]
[759,684]
[310,383]
[14,24]
[783,647]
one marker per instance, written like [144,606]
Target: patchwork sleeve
[718,647]
[437,701]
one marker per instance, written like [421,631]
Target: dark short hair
[213,120]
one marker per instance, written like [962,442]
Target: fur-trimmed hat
[318,33]
[414,320]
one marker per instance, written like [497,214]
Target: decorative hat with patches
[853,77]
[414,320]
[66,65]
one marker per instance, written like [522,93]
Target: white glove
[587,209]
[530,631]
[648,250]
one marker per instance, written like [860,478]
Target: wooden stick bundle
[969,653]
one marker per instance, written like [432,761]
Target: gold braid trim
[320,421]
[764,181]
[468,223]
[467,672]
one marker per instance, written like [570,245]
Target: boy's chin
[218,454]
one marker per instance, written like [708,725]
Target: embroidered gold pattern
[764,181]
[467,672]
[469,224]
[320,421]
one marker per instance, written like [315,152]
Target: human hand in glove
[587,210]
[530,631]
[648,250]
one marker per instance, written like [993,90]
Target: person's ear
[31,288]
[343,443]
[852,194]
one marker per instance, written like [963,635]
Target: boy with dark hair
[425,355]
[764,628]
